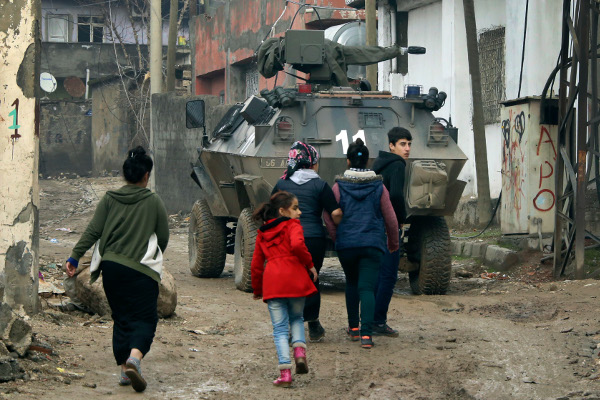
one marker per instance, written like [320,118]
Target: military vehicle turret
[242,159]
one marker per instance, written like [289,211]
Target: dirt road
[486,339]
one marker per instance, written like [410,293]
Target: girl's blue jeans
[286,316]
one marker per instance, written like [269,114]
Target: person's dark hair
[136,165]
[398,133]
[358,154]
[270,210]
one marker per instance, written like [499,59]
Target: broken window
[90,29]
[58,28]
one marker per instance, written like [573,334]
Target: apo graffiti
[544,199]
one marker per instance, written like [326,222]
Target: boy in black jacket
[391,165]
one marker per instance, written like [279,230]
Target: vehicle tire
[431,239]
[207,242]
[245,238]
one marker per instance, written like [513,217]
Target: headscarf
[301,155]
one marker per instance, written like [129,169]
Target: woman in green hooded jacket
[130,230]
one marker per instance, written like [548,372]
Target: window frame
[91,24]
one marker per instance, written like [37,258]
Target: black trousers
[361,267]
[133,298]
[316,247]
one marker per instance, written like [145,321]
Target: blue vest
[309,201]
[362,224]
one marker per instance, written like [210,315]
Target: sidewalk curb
[497,257]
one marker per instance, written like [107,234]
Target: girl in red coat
[284,281]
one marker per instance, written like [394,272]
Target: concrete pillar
[385,37]
[19,121]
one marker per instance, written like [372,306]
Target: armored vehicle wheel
[245,238]
[207,242]
[431,241]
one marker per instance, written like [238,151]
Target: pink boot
[300,358]
[285,378]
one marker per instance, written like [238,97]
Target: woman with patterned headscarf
[314,195]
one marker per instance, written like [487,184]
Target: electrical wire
[488,224]
[523,49]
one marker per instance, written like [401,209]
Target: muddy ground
[520,338]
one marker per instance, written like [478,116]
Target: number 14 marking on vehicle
[343,136]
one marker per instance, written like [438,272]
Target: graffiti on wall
[14,127]
[544,199]
[517,163]
[513,159]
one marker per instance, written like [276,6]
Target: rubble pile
[15,339]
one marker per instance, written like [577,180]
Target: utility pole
[156,78]
[481,165]
[155,47]
[172,46]
[583,26]
[371,22]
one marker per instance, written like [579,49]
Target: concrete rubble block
[93,297]
[467,249]
[478,250]
[500,258]
[15,331]
[167,295]
[534,243]
[10,369]
[457,247]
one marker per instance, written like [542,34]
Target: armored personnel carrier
[242,159]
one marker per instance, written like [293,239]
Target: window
[90,29]
[57,28]
[491,64]
[252,81]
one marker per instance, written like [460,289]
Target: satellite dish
[47,82]
[74,86]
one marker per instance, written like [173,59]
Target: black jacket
[392,167]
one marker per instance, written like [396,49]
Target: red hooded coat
[281,243]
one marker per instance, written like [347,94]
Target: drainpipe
[87,80]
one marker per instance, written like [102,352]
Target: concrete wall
[110,128]
[65,138]
[175,147]
[439,26]
[19,121]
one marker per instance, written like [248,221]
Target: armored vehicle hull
[246,155]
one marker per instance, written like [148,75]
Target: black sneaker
[366,342]
[316,332]
[353,333]
[384,330]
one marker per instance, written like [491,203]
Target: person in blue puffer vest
[360,238]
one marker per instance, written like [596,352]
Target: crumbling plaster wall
[19,119]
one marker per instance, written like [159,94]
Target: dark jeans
[388,275]
[132,297]
[361,267]
[316,247]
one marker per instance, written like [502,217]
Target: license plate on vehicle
[274,162]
